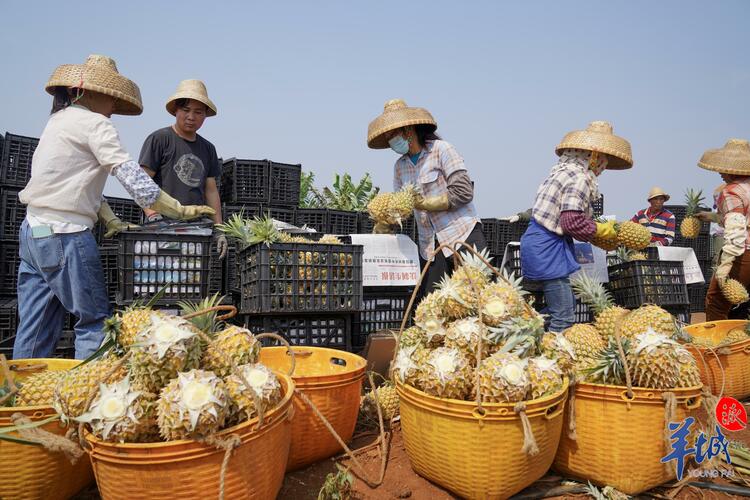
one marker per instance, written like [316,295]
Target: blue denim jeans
[58,273]
[561,303]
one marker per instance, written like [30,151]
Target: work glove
[605,230]
[735,234]
[707,216]
[112,223]
[432,203]
[173,209]
[221,245]
[154,217]
[726,260]
[382,228]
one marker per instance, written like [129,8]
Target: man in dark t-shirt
[182,163]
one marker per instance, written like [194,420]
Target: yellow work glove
[113,223]
[605,230]
[382,228]
[432,203]
[726,261]
[173,209]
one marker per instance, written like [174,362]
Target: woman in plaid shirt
[444,211]
[562,211]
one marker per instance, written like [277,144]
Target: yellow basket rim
[347,375]
[639,393]
[6,412]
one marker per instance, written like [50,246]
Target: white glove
[735,236]
[513,219]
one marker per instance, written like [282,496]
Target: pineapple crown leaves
[450,289]
[693,199]
[513,372]
[404,362]
[608,367]
[250,232]
[165,332]
[207,322]
[474,260]
[592,292]
[650,340]
[517,327]
[445,362]
[198,393]
[515,282]
[113,404]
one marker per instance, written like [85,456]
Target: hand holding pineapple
[627,234]
[390,209]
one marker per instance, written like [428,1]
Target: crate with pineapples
[478,354]
[634,283]
[284,273]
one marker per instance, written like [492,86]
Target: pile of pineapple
[518,361]
[263,230]
[393,208]
[628,234]
[173,385]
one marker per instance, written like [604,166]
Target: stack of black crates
[703,248]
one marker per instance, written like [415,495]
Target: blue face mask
[399,145]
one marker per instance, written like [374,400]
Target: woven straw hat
[396,114]
[191,89]
[598,136]
[657,191]
[733,158]
[99,74]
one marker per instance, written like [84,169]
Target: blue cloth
[414,158]
[561,304]
[546,255]
[58,273]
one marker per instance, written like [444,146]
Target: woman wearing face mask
[562,211]
[444,211]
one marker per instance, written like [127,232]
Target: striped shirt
[438,161]
[661,225]
[735,197]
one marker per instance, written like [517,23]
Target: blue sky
[298,82]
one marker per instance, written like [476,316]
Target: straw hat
[657,191]
[598,136]
[99,74]
[733,158]
[396,114]
[191,89]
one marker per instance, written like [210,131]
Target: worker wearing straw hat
[444,210]
[562,211]
[733,204]
[79,148]
[182,162]
[659,221]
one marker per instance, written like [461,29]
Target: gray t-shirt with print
[181,166]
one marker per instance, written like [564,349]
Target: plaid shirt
[569,186]
[437,162]
[735,197]
[661,225]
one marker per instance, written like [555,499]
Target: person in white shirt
[79,148]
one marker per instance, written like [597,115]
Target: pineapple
[645,317]
[628,255]
[430,308]
[408,364]
[503,378]
[734,291]
[458,301]
[329,239]
[500,301]
[193,405]
[250,232]
[733,336]
[388,399]
[690,226]
[122,413]
[447,373]
[124,326]
[207,322]
[465,334]
[412,336]
[231,347]
[520,335]
[607,244]
[607,366]
[555,346]
[393,208]
[39,389]
[380,207]
[265,388]
[586,342]
[168,346]
[654,361]
[688,374]
[633,235]
[606,313]
[473,270]
[545,377]
[73,390]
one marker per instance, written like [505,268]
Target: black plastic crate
[248,210]
[681,313]
[12,213]
[285,184]
[582,312]
[8,318]
[231,269]
[512,264]
[306,330]
[108,257]
[382,309]
[300,277]
[65,347]
[491,231]
[314,218]
[15,164]
[659,282]
[9,262]
[126,210]
[342,222]
[280,214]
[246,181]
[697,296]
[216,274]
[148,260]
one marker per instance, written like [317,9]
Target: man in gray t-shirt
[182,163]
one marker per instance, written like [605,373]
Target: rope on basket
[621,352]
[227,444]
[572,435]
[49,441]
[670,411]
[529,442]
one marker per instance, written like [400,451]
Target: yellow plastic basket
[730,364]
[31,472]
[620,441]
[477,455]
[332,380]
[187,469]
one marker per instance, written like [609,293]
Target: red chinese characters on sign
[731,414]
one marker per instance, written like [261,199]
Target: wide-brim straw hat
[191,89]
[599,136]
[396,114]
[99,74]
[657,191]
[733,158]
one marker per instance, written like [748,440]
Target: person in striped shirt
[659,221]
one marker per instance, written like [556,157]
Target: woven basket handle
[232,312]
[289,349]
[8,379]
